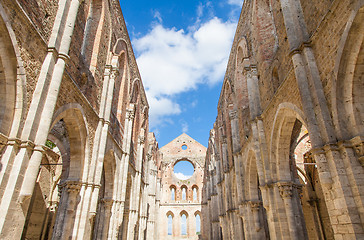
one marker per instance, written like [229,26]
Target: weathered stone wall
[286,73]
[74,125]
[170,155]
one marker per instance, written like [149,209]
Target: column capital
[233,115]
[107,202]
[285,189]
[114,73]
[71,186]
[141,139]
[27,144]
[255,205]
[130,114]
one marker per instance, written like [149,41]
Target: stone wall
[175,205]
[74,125]
[286,150]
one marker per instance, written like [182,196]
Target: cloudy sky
[182,48]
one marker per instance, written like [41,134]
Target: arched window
[194,193]
[173,193]
[93,34]
[184,193]
[170,225]
[198,224]
[184,224]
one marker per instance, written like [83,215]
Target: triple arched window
[183,223]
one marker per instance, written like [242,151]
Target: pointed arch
[72,117]
[347,94]
[264,45]
[94,33]
[135,88]
[242,52]
[283,123]
[12,80]
[184,223]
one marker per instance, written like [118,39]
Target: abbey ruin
[285,156]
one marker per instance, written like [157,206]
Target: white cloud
[182,176]
[157,15]
[184,127]
[236,2]
[173,61]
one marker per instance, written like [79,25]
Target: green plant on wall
[50,144]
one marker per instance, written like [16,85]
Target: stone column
[38,121]
[286,192]
[123,178]
[65,218]
[253,91]
[337,170]
[269,204]
[108,203]
[134,211]
[256,207]
[50,101]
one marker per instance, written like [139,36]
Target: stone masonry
[285,156]
[77,161]
[174,205]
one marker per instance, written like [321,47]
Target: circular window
[184,147]
[183,170]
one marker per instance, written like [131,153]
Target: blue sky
[182,48]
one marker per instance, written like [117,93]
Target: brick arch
[184,212]
[12,80]
[170,213]
[134,91]
[94,33]
[243,50]
[263,44]
[347,95]
[72,116]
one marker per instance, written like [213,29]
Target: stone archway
[61,173]
[106,198]
[255,224]
[70,120]
[299,213]
[12,84]
[348,87]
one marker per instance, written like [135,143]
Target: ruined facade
[285,156]
[179,211]
[77,160]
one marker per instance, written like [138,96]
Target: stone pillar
[63,228]
[337,168]
[37,124]
[286,192]
[256,208]
[134,211]
[50,101]
[108,203]
[123,177]
[253,91]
